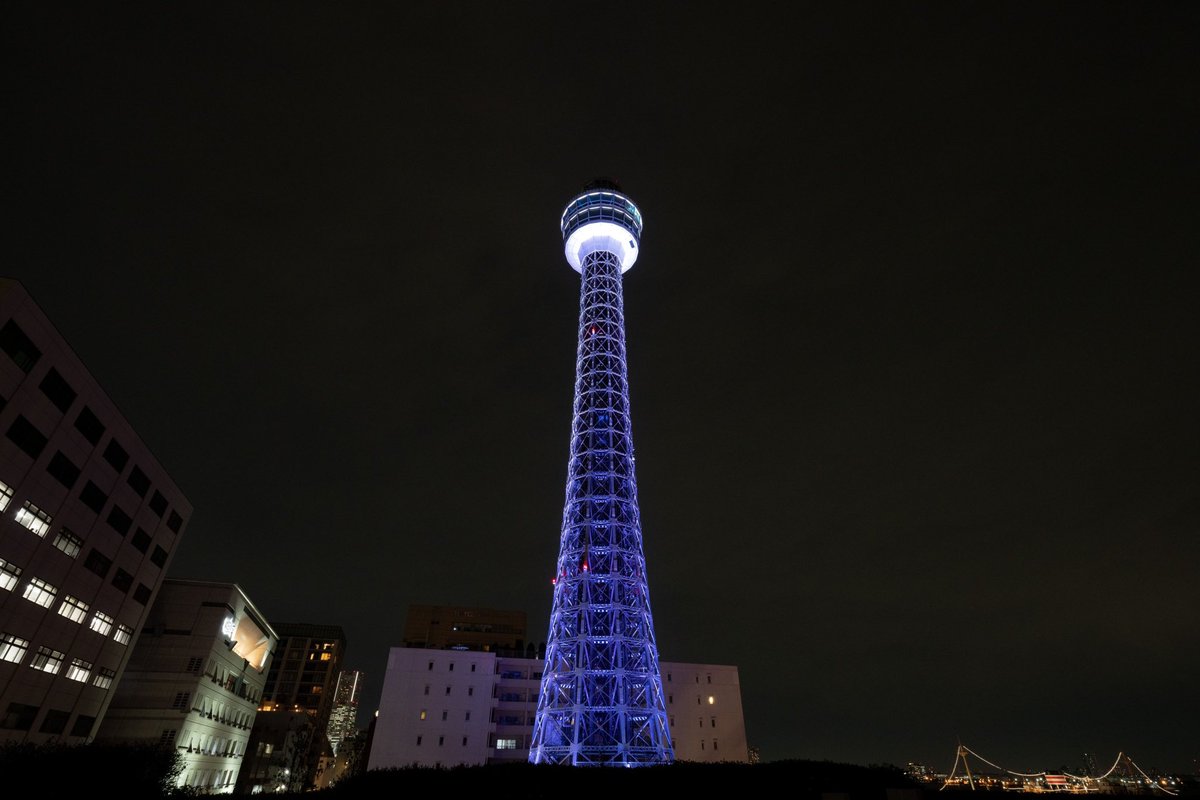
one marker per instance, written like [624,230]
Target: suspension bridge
[1123,773]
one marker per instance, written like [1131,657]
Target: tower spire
[601,699]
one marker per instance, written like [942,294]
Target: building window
[47,660]
[73,609]
[181,700]
[93,497]
[138,481]
[712,722]
[702,722]
[710,678]
[670,698]
[424,713]
[40,592]
[25,436]
[166,737]
[194,664]
[506,744]
[56,388]
[158,503]
[452,666]
[119,521]
[6,494]
[470,691]
[63,470]
[672,720]
[464,741]
[79,670]
[89,425]
[468,716]
[431,666]
[159,559]
[419,741]
[426,688]
[714,744]
[20,348]
[668,677]
[711,699]
[55,722]
[83,726]
[115,455]
[101,623]
[68,542]
[701,744]
[12,648]
[142,595]
[141,540]
[104,678]
[697,679]
[34,518]
[97,562]
[122,580]
[10,575]
[447,690]
[444,715]
[441,740]
[472,668]
[19,717]
[123,635]
[175,522]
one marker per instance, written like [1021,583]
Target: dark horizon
[909,345]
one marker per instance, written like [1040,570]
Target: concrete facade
[195,679]
[89,522]
[447,707]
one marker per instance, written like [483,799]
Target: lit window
[101,623]
[33,518]
[79,670]
[6,494]
[506,744]
[711,699]
[73,608]
[104,678]
[68,542]
[40,592]
[47,660]
[12,648]
[10,575]
[423,713]
[326,656]
[123,635]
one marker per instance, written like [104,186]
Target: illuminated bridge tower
[601,700]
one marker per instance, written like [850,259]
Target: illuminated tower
[601,700]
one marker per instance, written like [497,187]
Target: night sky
[912,360]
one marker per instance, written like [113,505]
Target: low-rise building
[195,679]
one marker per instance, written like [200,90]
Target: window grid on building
[68,542]
[79,670]
[48,660]
[104,678]
[73,609]
[101,623]
[10,575]
[34,518]
[13,648]
[40,592]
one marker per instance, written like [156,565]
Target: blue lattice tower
[601,700]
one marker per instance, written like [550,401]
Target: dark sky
[913,363]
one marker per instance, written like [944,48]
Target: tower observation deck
[601,700]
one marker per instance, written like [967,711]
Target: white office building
[452,707]
[195,680]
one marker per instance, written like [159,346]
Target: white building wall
[704,705]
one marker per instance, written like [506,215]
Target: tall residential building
[195,679]
[343,720]
[89,521]
[445,708]
[601,698]
[288,741]
[464,628]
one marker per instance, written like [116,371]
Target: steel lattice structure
[601,700]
